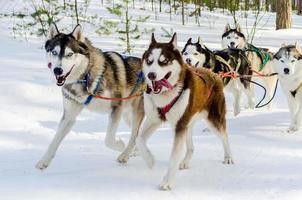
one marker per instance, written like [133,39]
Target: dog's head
[162,65]
[288,60]
[194,54]
[65,53]
[233,38]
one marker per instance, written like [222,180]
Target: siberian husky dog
[260,58]
[178,96]
[83,70]
[288,64]
[197,55]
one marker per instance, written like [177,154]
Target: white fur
[197,59]
[238,41]
[290,82]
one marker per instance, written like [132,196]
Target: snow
[268,161]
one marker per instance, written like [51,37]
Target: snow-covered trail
[268,161]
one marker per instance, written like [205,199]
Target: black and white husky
[260,58]
[83,70]
[288,64]
[198,55]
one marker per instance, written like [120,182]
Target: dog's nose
[152,76]
[286,71]
[188,60]
[232,43]
[58,71]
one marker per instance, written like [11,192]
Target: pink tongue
[166,84]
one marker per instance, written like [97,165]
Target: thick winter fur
[234,38]
[198,55]
[288,64]
[199,97]
[72,58]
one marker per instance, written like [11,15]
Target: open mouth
[158,85]
[62,78]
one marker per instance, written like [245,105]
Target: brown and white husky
[178,96]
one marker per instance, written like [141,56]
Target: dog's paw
[117,145]
[292,129]
[150,160]
[228,161]
[184,165]
[206,130]
[123,158]
[42,164]
[165,185]
[236,112]
[134,153]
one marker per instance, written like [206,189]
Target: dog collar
[164,110]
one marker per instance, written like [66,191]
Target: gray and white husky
[288,64]
[83,70]
[199,56]
[260,58]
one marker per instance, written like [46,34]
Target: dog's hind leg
[270,83]
[179,141]
[190,149]
[137,118]
[110,139]
[233,88]
[222,134]
[250,95]
[71,111]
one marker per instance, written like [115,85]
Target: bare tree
[299,7]
[284,14]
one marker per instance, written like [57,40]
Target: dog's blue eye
[185,53]
[54,52]
[228,37]
[282,61]
[293,61]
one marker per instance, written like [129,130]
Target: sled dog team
[180,87]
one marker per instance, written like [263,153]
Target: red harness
[163,110]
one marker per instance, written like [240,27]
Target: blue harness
[140,79]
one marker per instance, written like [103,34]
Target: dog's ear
[173,40]
[297,45]
[227,28]
[283,44]
[53,31]
[238,28]
[77,33]
[153,41]
[189,41]
[199,41]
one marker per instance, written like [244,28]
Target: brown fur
[201,86]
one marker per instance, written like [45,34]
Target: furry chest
[176,111]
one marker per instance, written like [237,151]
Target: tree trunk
[284,14]
[183,12]
[76,11]
[160,5]
[299,7]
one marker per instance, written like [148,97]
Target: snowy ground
[268,161]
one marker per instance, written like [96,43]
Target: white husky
[288,65]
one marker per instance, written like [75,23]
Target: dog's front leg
[298,116]
[292,105]
[148,127]
[110,139]
[190,149]
[71,111]
[179,141]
